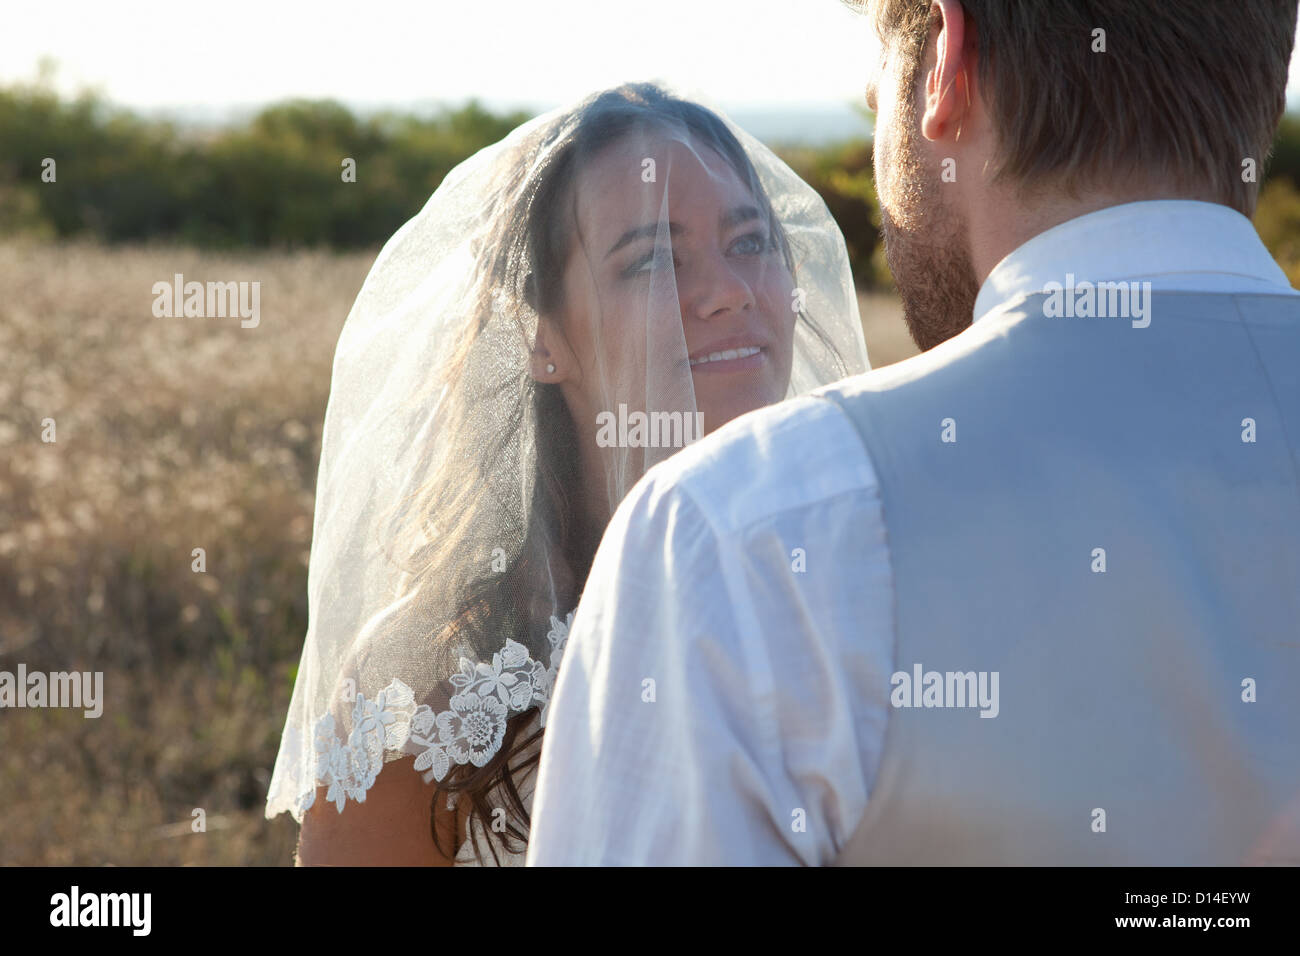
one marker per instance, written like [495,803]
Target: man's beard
[928,251]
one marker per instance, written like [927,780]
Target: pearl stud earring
[550,367]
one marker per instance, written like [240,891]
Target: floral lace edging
[470,731]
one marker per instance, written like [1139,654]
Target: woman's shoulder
[390,827]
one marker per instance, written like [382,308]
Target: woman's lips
[730,360]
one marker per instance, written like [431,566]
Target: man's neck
[1008,220]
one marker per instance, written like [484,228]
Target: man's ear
[947,82]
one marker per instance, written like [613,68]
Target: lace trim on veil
[469,731]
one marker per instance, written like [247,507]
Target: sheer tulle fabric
[439,592]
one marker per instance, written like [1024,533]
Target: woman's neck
[591,527]
[592,512]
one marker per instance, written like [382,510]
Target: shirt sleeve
[717,704]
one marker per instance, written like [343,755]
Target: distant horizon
[810,123]
[797,71]
[814,123]
[784,74]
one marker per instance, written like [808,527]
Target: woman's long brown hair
[491,432]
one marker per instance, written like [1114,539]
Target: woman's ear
[551,359]
[530,292]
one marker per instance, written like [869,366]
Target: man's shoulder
[783,457]
[947,364]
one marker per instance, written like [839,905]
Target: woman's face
[704,297]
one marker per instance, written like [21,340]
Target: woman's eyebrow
[738,215]
[729,219]
[648,231]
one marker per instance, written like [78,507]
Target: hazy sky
[181,53]
[543,52]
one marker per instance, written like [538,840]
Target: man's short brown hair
[1188,90]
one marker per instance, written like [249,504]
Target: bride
[567,307]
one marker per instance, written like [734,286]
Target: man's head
[997,119]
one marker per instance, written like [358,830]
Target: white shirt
[759,738]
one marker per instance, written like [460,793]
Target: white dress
[345,758]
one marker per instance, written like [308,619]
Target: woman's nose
[718,287]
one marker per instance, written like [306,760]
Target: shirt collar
[1172,243]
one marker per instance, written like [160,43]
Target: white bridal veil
[572,305]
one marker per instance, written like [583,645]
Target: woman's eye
[753,244]
[659,258]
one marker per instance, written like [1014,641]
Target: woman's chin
[718,413]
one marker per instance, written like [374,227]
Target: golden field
[171,434]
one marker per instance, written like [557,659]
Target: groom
[1033,596]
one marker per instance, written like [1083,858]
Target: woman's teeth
[727,355]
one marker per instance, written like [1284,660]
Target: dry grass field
[884,329]
[171,434]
